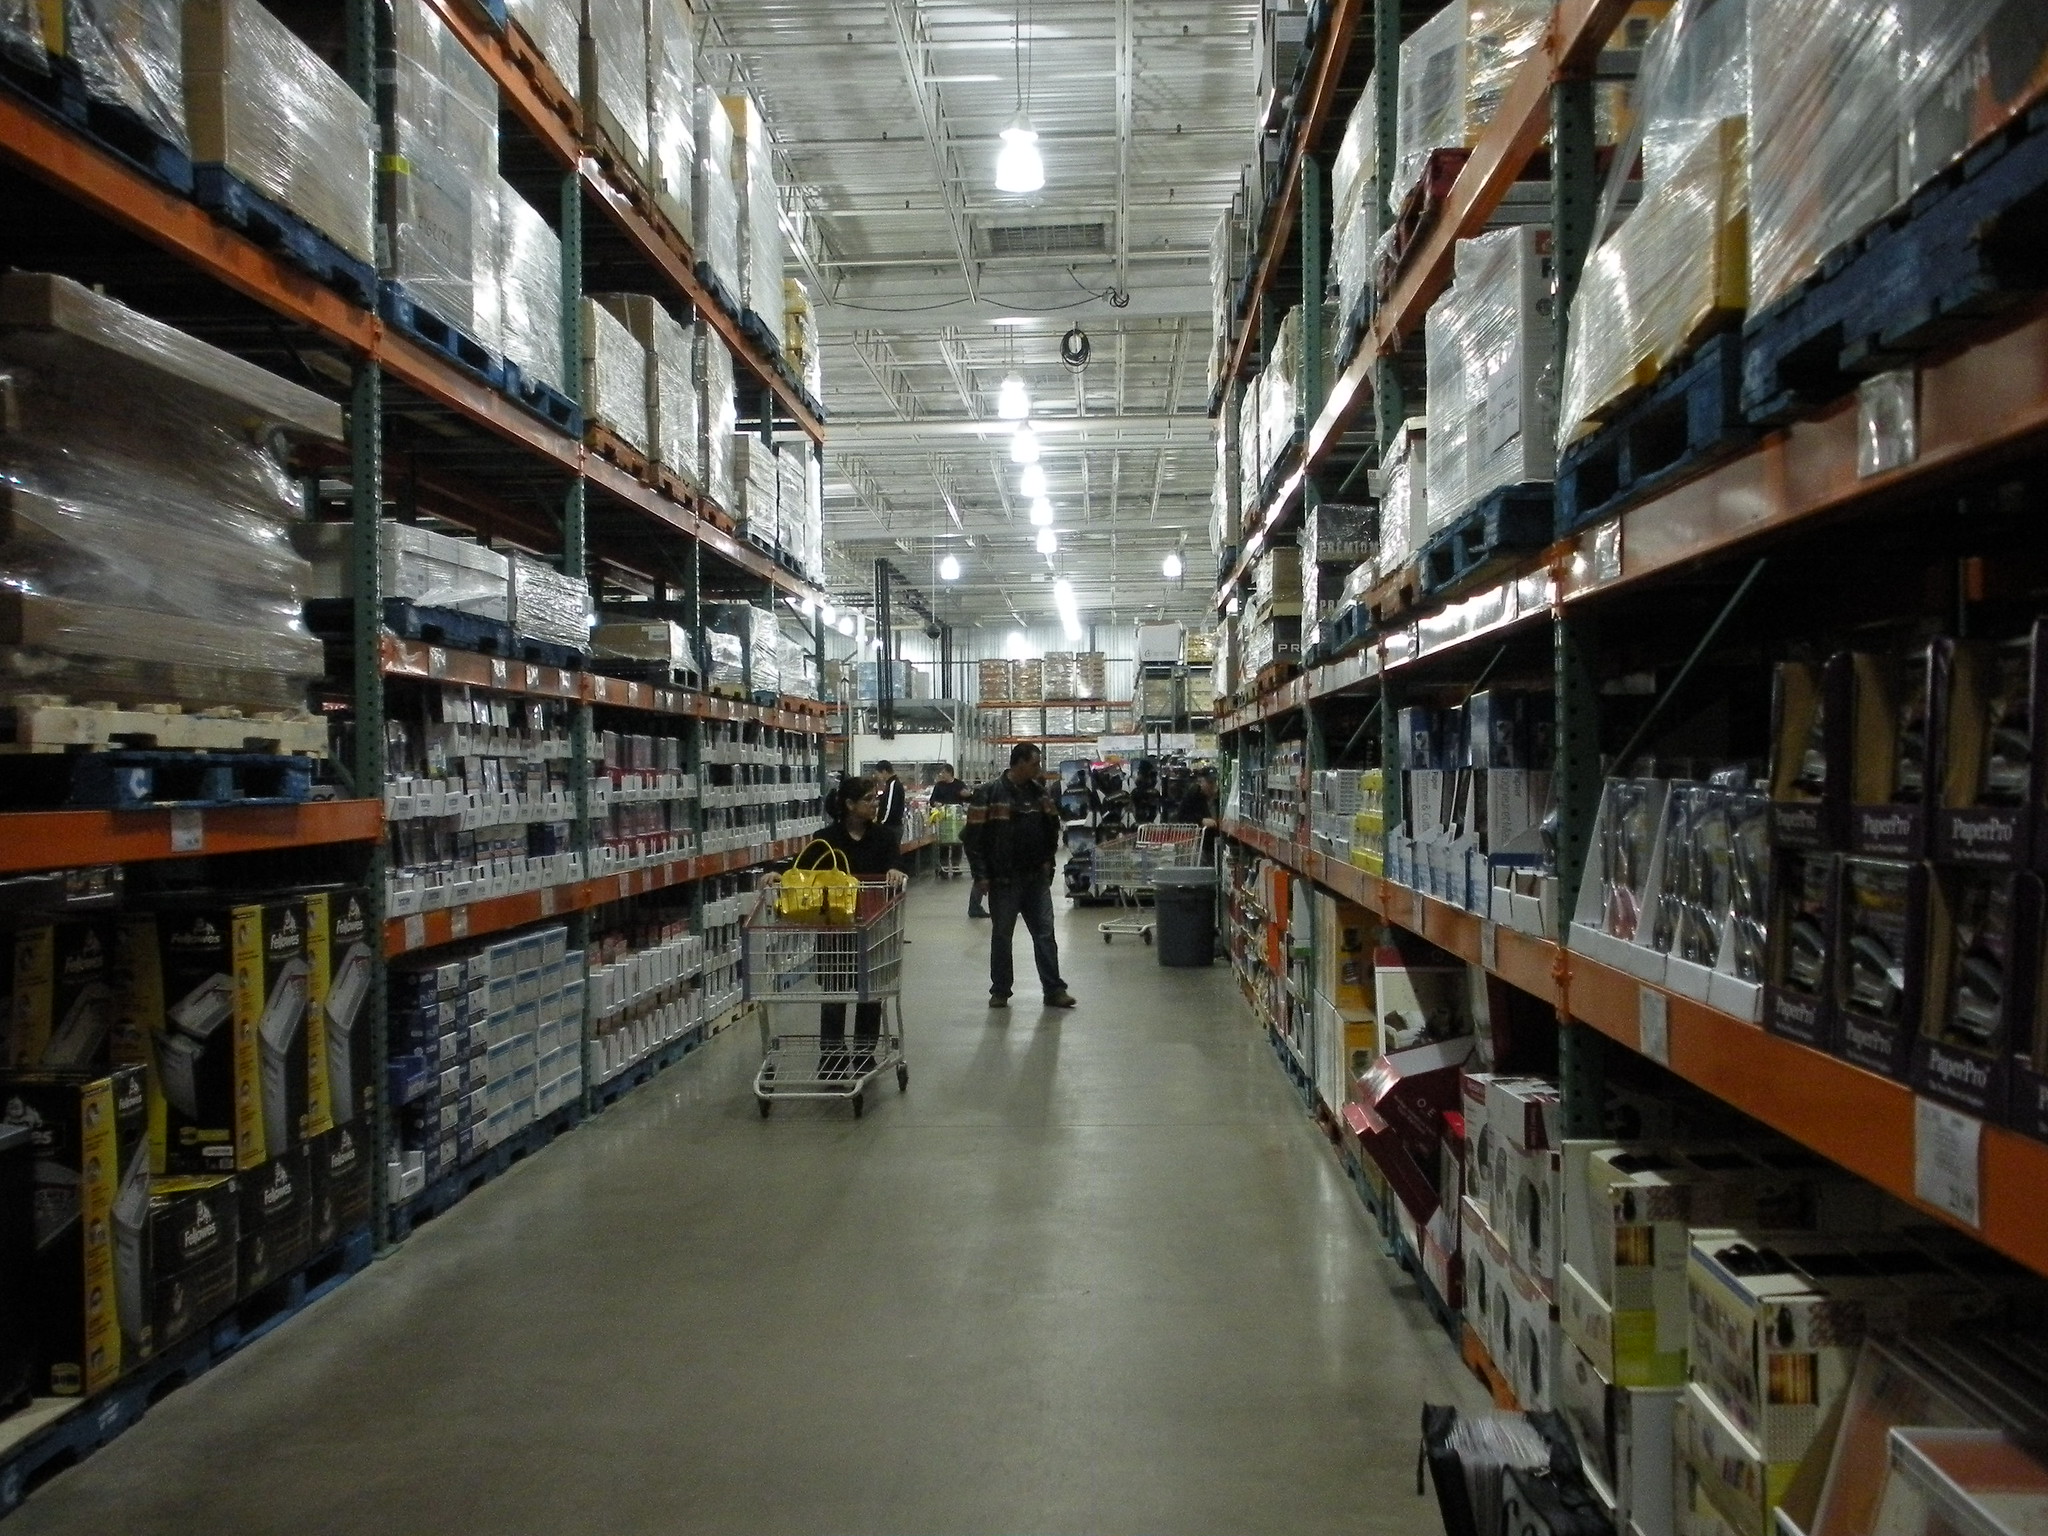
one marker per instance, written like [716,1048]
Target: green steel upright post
[1581,1049]
[1389,407]
[1574,199]
[1392,813]
[576,562]
[1314,217]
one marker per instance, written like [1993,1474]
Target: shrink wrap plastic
[759,633]
[1839,89]
[615,75]
[1246,412]
[433,570]
[128,438]
[1431,114]
[555,28]
[1492,393]
[672,110]
[756,483]
[614,369]
[129,52]
[21,32]
[1277,395]
[717,199]
[440,175]
[1355,205]
[1406,489]
[724,665]
[760,215]
[529,288]
[793,496]
[547,605]
[669,363]
[718,412]
[267,107]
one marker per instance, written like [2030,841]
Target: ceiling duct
[1047,239]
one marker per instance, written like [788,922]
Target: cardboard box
[1799,999]
[195,1244]
[1894,708]
[1994,740]
[1880,963]
[1991,72]
[17,1266]
[1729,1472]
[1983,943]
[1625,1440]
[341,1061]
[62,1000]
[276,1219]
[1532,1365]
[340,1165]
[1809,754]
[89,1280]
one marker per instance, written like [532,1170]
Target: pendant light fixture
[1013,402]
[1033,483]
[1019,167]
[1048,542]
[1041,513]
[949,569]
[1024,445]
[1172,566]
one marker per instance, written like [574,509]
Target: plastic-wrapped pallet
[128,52]
[1276,582]
[21,32]
[1406,487]
[800,335]
[793,496]
[529,289]
[672,110]
[437,189]
[1229,255]
[717,415]
[127,438]
[724,661]
[1492,393]
[432,570]
[263,104]
[756,481]
[555,28]
[674,438]
[614,370]
[1276,411]
[1355,204]
[1062,680]
[615,77]
[1246,434]
[814,520]
[996,680]
[717,198]
[1338,534]
[1091,675]
[547,605]
[753,173]
[1031,681]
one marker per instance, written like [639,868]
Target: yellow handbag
[824,893]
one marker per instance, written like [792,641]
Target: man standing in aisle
[891,790]
[1013,831]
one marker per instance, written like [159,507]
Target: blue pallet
[1972,242]
[458,1184]
[1513,521]
[544,401]
[139,780]
[1344,632]
[1689,419]
[332,616]
[449,342]
[270,1308]
[60,90]
[97,1420]
[714,285]
[1290,455]
[233,201]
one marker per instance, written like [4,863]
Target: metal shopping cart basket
[1124,868]
[792,966]
[948,822]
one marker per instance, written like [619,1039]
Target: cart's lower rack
[54,1433]
[1863,1122]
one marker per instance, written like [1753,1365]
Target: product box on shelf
[342,960]
[195,1244]
[1893,712]
[672,111]
[615,79]
[17,1264]
[59,982]
[1534,1340]
[339,1166]
[1708,892]
[529,289]
[1994,739]
[1810,754]
[1880,955]
[1624,1436]
[1798,994]
[1405,1097]
[89,1280]
[1611,923]
[615,369]
[1983,935]
[276,1219]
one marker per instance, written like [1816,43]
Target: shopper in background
[1198,805]
[948,791]
[1013,832]
[890,789]
[870,850]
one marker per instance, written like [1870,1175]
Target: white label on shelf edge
[547,901]
[1653,1023]
[1948,1161]
[458,923]
[415,931]
[1489,946]
[188,831]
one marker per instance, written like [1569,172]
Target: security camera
[931,631]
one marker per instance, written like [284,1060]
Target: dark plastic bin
[1184,901]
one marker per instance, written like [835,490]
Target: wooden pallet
[51,723]
[1274,674]
[607,444]
[1396,596]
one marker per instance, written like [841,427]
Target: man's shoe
[1061,1000]
[973,914]
[999,999]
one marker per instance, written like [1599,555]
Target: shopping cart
[948,822]
[800,963]
[1124,868]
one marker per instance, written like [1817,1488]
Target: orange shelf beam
[33,840]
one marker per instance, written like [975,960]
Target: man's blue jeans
[1031,899]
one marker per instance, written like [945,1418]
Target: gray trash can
[1185,903]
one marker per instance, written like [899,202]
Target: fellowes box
[1894,705]
[1994,731]
[277,1219]
[1880,963]
[1799,999]
[17,1266]
[62,1002]
[88,1282]
[340,1163]
[1982,939]
[195,1238]
[341,1055]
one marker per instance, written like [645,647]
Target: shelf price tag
[416,931]
[458,922]
[547,901]
[1489,946]
[1948,1161]
[1653,1024]
[501,672]
[1607,554]
[1887,422]
[437,661]
[188,831]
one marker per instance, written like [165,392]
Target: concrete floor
[1095,1273]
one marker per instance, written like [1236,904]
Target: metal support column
[885,674]
[1574,199]
[1578,752]
[1392,802]
[1315,218]
[1389,408]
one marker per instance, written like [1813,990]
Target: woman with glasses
[870,851]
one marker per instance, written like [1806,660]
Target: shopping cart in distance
[790,965]
[1124,868]
[948,822]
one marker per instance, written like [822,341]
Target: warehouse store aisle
[1094,1273]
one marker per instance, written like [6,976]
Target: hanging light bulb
[1173,566]
[1019,166]
[1013,403]
[1048,542]
[1024,445]
[1041,513]
[829,614]
[949,569]
[1033,483]
[845,625]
